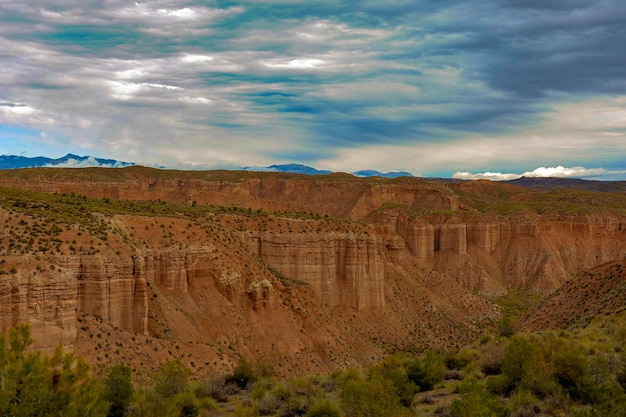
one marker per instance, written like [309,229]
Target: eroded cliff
[309,274]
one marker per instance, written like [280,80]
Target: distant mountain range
[537,183]
[69,160]
[303,169]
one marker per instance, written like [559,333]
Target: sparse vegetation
[579,372]
[574,372]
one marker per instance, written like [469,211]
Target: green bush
[215,388]
[243,374]
[427,372]
[324,408]
[475,401]
[516,355]
[171,379]
[569,366]
[392,369]
[491,356]
[118,390]
[34,384]
[371,397]
[148,403]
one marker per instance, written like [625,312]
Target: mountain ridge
[69,160]
[535,183]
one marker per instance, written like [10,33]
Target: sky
[470,89]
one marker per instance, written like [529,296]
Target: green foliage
[33,384]
[324,408]
[243,374]
[475,401]
[186,403]
[393,370]
[118,390]
[506,328]
[538,375]
[171,379]
[578,373]
[148,403]
[621,375]
[491,357]
[516,355]
[370,397]
[427,372]
[569,365]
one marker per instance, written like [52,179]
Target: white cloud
[196,100]
[162,86]
[298,63]
[89,162]
[493,176]
[124,90]
[16,109]
[169,21]
[196,59]
[185,13]
[541,172]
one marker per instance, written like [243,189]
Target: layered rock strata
[345,269]
[45,298]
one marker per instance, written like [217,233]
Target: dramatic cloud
[543,172]
[87,163]
[429,87]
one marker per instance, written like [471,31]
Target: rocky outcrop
[542,252]
[410,195]
[43,297]
[115,289]
[451,237]
[339,195]
[395,263]
[261,294]
[345,269]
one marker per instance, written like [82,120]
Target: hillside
[595,293]
[312,273]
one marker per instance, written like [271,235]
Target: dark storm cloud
[332,82]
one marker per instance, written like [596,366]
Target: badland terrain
[310,273]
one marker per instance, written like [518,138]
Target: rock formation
[345,269]
[41,295]
[316,274]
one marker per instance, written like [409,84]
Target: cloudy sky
[438,88]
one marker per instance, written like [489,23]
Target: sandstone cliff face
[297,288]
[541,253]
[44,298]
[345,269]
[335,196]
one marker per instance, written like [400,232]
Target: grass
[558,202]
[517,301]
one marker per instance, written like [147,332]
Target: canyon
[311,274]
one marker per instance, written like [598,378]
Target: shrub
[324,408]
[118,390]
[243,374]
[35,384]
[148,403]
[370,398]
[491,356]
[516,355]
[569,366]
[171,379]
[185,402]
[475,401]
[393,370]
[426,372]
